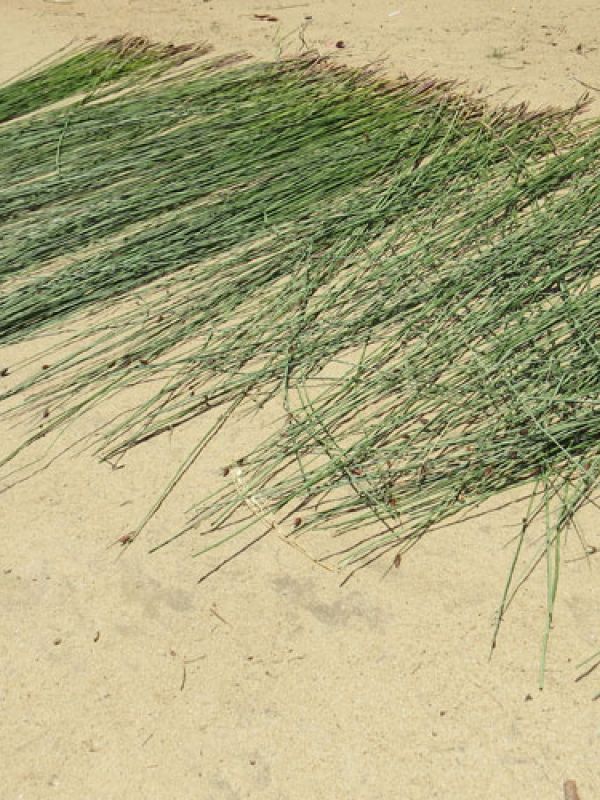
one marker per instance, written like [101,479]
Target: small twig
[187,661]
[587,85]
[301,36]
[214,611]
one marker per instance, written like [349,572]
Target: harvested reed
[275,220]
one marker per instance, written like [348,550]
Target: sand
[121,677]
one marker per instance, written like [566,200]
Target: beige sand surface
[121,678]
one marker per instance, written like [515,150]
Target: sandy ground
[122,678]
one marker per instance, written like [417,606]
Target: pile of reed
[414,274]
